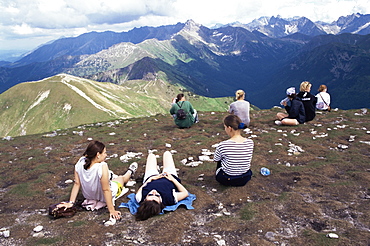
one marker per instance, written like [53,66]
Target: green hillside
[65,101]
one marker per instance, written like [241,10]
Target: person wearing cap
[240,107]
[295,109]
[309,101]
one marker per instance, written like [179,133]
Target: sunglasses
[157,195]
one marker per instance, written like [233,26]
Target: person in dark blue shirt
[159,190]
[295,109]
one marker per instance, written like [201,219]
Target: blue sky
[26,24]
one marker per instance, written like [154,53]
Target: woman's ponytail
[91,151]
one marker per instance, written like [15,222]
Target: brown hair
[322,88]
[91,151]
[233,121]
[305,86]
[239,94]
[179,96]
[148,209]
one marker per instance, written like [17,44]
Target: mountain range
[263,57]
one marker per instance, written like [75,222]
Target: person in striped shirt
[234,155]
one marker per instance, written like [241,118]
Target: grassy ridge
[64,101]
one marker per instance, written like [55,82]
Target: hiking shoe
[278,122]
[133,168]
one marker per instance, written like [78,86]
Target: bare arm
[182,192]
[74,192]
[108,193]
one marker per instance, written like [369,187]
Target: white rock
[38,234]
[68,181]
[6,233]
[214,190]
[342,146]
[332,235]
[130,183]
[204,158]
[221,242]
[168,145]
[38,228]
[184,161]
[110,222]
[89,139]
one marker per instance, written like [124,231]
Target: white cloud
[34,21]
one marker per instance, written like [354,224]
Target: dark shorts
[229,180]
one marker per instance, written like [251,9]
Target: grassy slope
[323,189]
[22,115]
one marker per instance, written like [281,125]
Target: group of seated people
[101,187]
[302,107]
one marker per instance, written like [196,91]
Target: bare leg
[289,122]
[151,167]
[168,163]
[123,179]
[281,116]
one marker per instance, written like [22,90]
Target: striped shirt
[235,157]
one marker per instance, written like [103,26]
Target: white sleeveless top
[90,180]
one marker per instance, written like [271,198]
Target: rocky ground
[318,189]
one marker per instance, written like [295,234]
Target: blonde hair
[239,94]
[322,88]
[305,86]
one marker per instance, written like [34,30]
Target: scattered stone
[214,190]
[184,161]
[6,233]
[270,235]
[193,164]
[89,139]
[206,152]
[8,138]
[173,151]
[38,235]
[247,131]
[225,212]
[129,155]
[365,142]
[295,148]
[168,145]
[110,222]
[332,235]
[221,242]
[204,158]
[130,183]
[79,133]
[68,181]
[287,164]
[351,138]
[342,146]
[50,135]
[200,179]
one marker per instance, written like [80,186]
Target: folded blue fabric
[133,205]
